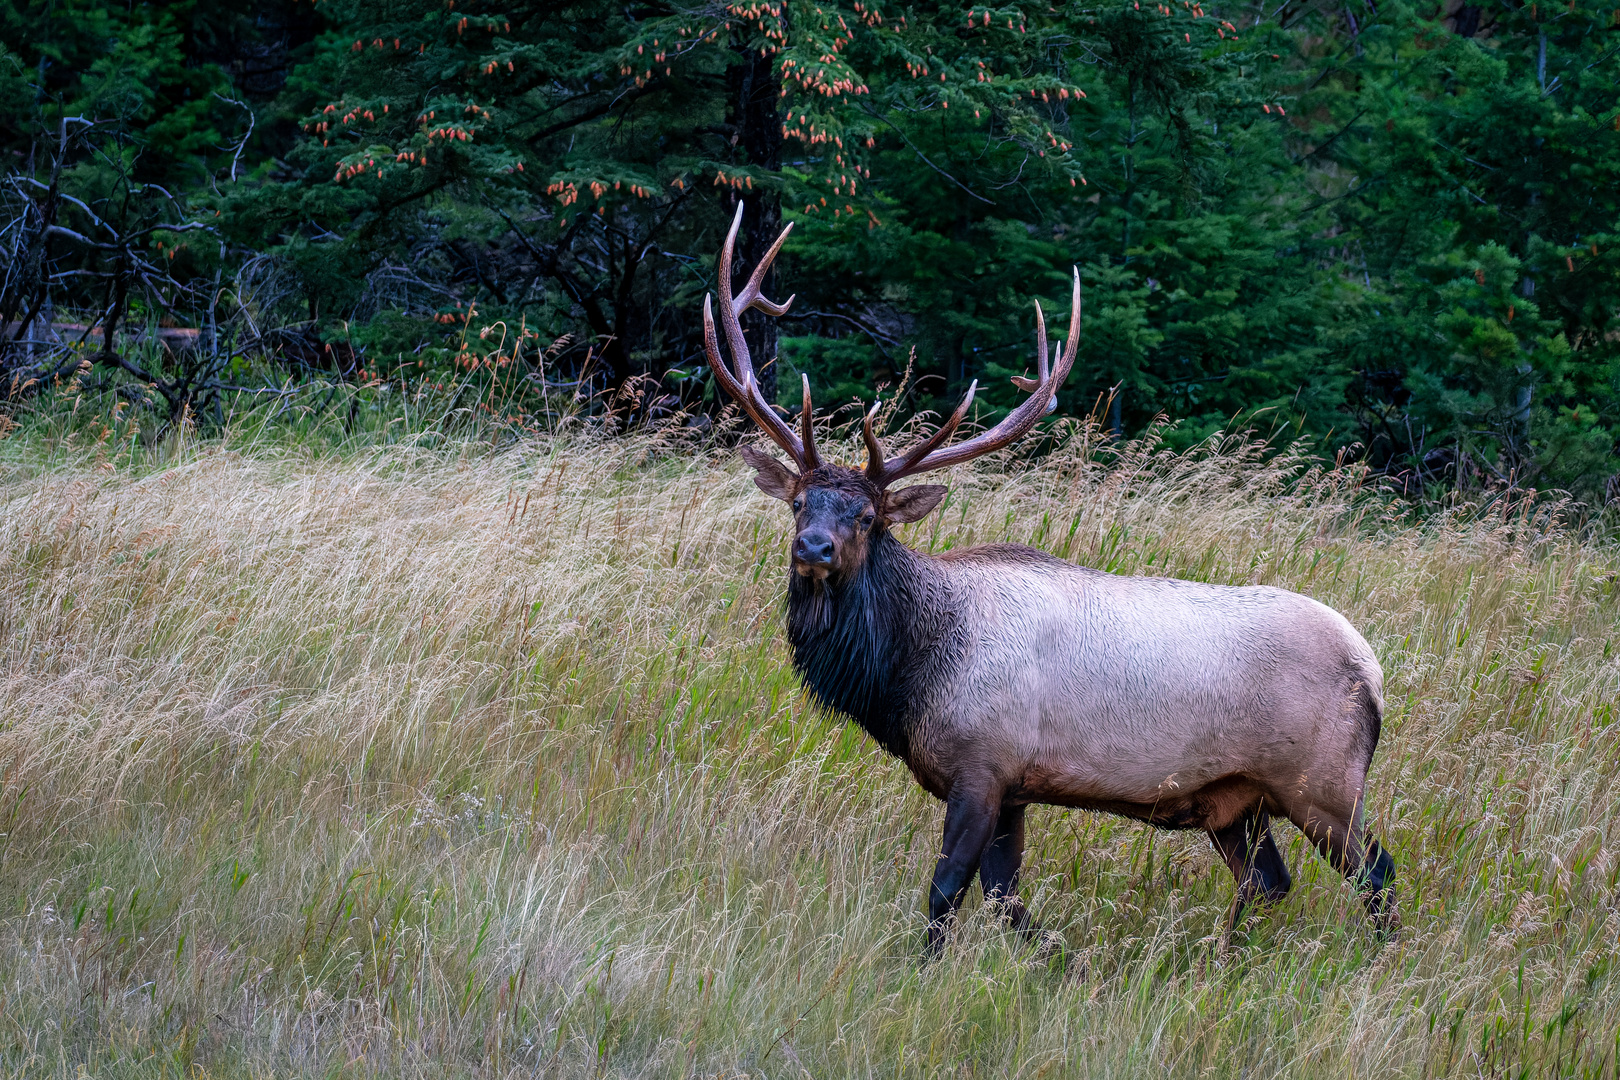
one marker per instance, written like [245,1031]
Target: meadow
[444,759]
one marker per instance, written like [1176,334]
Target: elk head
[838,510]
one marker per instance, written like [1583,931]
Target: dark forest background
[1388,226]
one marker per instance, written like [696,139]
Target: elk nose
[815,549]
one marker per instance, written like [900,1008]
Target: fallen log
[174,339]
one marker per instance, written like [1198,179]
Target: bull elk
[1003,676]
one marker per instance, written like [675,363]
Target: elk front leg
[970,824]
[998,869]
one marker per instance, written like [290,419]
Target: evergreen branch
[877,338]
[563,125]
[924,157]
[1334,137]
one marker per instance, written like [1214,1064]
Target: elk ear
[773,478]
[912,503]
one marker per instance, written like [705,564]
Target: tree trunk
[1523,399]
[755,89]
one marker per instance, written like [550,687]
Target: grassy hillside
[485,763]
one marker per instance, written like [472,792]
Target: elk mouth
[818,572]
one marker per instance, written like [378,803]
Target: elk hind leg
[1251,854]
[1342,840]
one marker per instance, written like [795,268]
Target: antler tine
[1071,347]
[740,358]
[1041,369]
[812,460]
[756,281]
[747,393]
[898,468]
[750,295]
[742,384]
[874,449]
[1017,423]
[1029,385]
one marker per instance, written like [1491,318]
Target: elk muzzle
[813,553]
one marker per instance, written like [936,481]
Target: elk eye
[798,504]
[866,521]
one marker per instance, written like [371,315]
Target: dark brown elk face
[836,512]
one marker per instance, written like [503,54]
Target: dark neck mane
[862,646]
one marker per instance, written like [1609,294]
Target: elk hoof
[1385,916]
[1046,946]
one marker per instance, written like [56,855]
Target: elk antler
[740,383]
[927,455]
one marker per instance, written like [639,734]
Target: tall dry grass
[477,763]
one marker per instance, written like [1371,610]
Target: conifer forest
[1389,228]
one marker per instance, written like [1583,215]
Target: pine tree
[1476,187]
[598,150]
